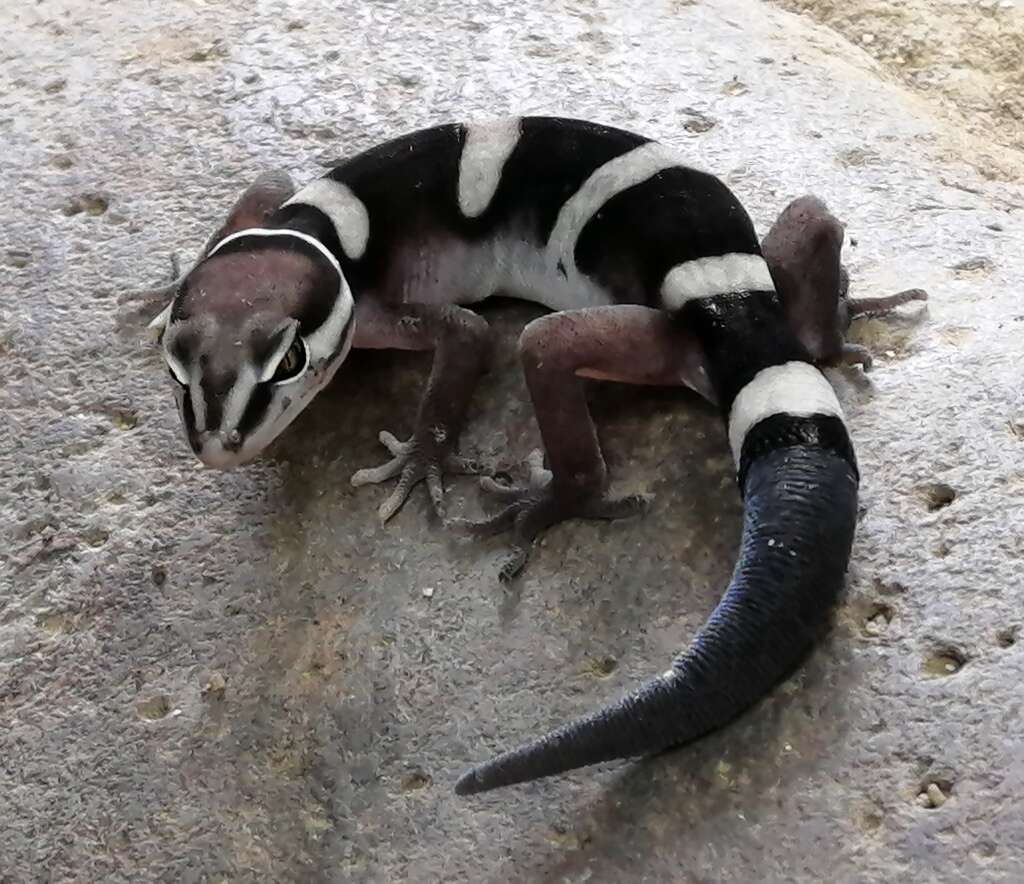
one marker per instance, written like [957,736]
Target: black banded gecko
[654,275]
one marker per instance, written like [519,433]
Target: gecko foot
[531,509]
[413,461]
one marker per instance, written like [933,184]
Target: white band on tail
[717,275]
[794,388]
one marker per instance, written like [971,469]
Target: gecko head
[251,335]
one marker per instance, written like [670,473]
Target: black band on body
[742,333]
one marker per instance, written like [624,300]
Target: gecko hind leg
[630,344]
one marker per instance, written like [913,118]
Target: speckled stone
[243,676]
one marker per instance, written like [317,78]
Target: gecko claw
[413,461]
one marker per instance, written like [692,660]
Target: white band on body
[795,388]
[487,147]
[610,179]
[346,211]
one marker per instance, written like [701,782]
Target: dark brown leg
[631,344]
[460,340]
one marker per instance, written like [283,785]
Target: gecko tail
[800,510]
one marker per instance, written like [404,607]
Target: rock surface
[243,677]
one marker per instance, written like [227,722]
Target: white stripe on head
[488,146]
[324,341]
[195,393]
[618,174]
[238,398]
[347,213]
[795,388]
[282,231]
[717,275]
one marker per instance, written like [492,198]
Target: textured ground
[964,56]
[239,677]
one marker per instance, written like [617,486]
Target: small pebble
[867,39]
[428,592]
[934,796]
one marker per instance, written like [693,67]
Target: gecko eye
[292,364]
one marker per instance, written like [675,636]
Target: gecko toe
[397,497]
[393,444]
[500,491]
[376,475]
[492,525]
[422,458]
[435,488]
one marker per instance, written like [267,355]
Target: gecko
[652,274]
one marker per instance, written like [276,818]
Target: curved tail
[800,510]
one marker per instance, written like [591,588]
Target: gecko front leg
[630,344]
[459,339]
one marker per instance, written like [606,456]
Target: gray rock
[213,677]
